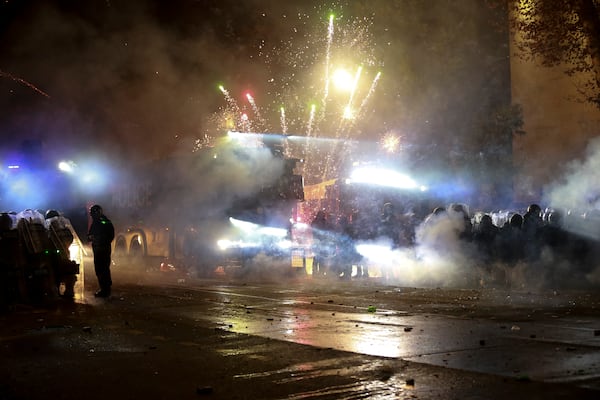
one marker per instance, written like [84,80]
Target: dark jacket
[102,233]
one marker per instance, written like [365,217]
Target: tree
[561,33]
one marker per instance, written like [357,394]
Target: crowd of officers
[505,237]
[35,263]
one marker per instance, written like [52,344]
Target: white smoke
[579,186]
[438,259]
[206,185]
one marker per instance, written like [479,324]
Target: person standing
[101,234]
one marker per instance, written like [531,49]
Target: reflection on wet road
[537,341]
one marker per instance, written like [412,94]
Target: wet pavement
[162,336]
[543,339]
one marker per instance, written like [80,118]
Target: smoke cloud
[579,186]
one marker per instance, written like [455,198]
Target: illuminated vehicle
[364,191]
[359,196]
[219,206]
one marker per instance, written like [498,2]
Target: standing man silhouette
[101,234]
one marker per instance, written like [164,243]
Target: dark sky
[139,73]
[139,78]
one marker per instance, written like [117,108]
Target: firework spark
[256,110]
[23,82]
[390,142]
[332,115]
[328,59]
[282,120]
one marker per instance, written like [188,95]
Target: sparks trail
[283,120]
[23,82]
[328,114]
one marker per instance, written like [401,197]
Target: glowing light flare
[91,176]
[382,177]
[225,244]
[245,139]
[390,142]
[342,80]
[284,244]
[251,227]
[243,225]
[253,235]
[270,231]
[374,251]
[348,113]
[76,252]
[67,166]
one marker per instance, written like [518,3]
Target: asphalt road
[169,336]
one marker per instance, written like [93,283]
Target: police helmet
[534,209]
[51,214]
[95,210]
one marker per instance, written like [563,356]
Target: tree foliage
[563,33]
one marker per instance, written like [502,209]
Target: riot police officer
[59,228]
[101,234]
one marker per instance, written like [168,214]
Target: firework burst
[315,104]
[390,142]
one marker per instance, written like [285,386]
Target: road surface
[170,336]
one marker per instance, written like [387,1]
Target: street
[165,335]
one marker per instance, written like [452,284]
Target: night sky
[122,81]
[123,77]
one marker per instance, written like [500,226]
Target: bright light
[382,177]
[343,80]
[269,231]
[243,225]
[390,143]
[91,176]
[284,244]
[374,251]
[250,227]
[225,244]
[301,225]
[66,166]
[348,113]
[251,235]
[13,167]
